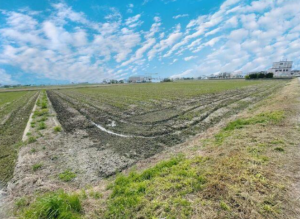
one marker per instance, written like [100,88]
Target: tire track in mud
[75,123]
[151,124]
[219,104]
[79,120]
[207,99]
[75,101]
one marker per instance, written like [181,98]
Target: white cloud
[134,21]
[150,41]
[48,48]
[231,22]
[238,35]
[180,16]
[130,8]
[5,79]
[189,58]
[165,43]
[180,75]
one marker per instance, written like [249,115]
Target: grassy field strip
[11,133]
[25,136]
[10,104]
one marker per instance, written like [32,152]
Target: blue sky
[47,42]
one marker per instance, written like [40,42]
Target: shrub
[167,80]
[259,75]
[269,75]
[55,205]
[67,176]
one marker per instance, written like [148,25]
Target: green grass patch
[159,191]
[55,205]
[43,119]
[31,139]
[67,176]
[42,112]
[57,129]
[262,118]
[44,105]
[37,166]
[41,126]
[224,206]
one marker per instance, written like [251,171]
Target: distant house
[221,75]
[281,68]
[139,79]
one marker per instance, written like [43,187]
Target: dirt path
[25,137]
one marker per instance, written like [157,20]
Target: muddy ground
[106,153]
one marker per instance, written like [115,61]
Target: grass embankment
[240,175]
[222,185]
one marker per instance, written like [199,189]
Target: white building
[295,73]
[281,68]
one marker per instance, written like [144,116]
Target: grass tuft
[42,126]
[67,176]
[57,129]
[224,206]
[37,166]
[55,205]
[31,139]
